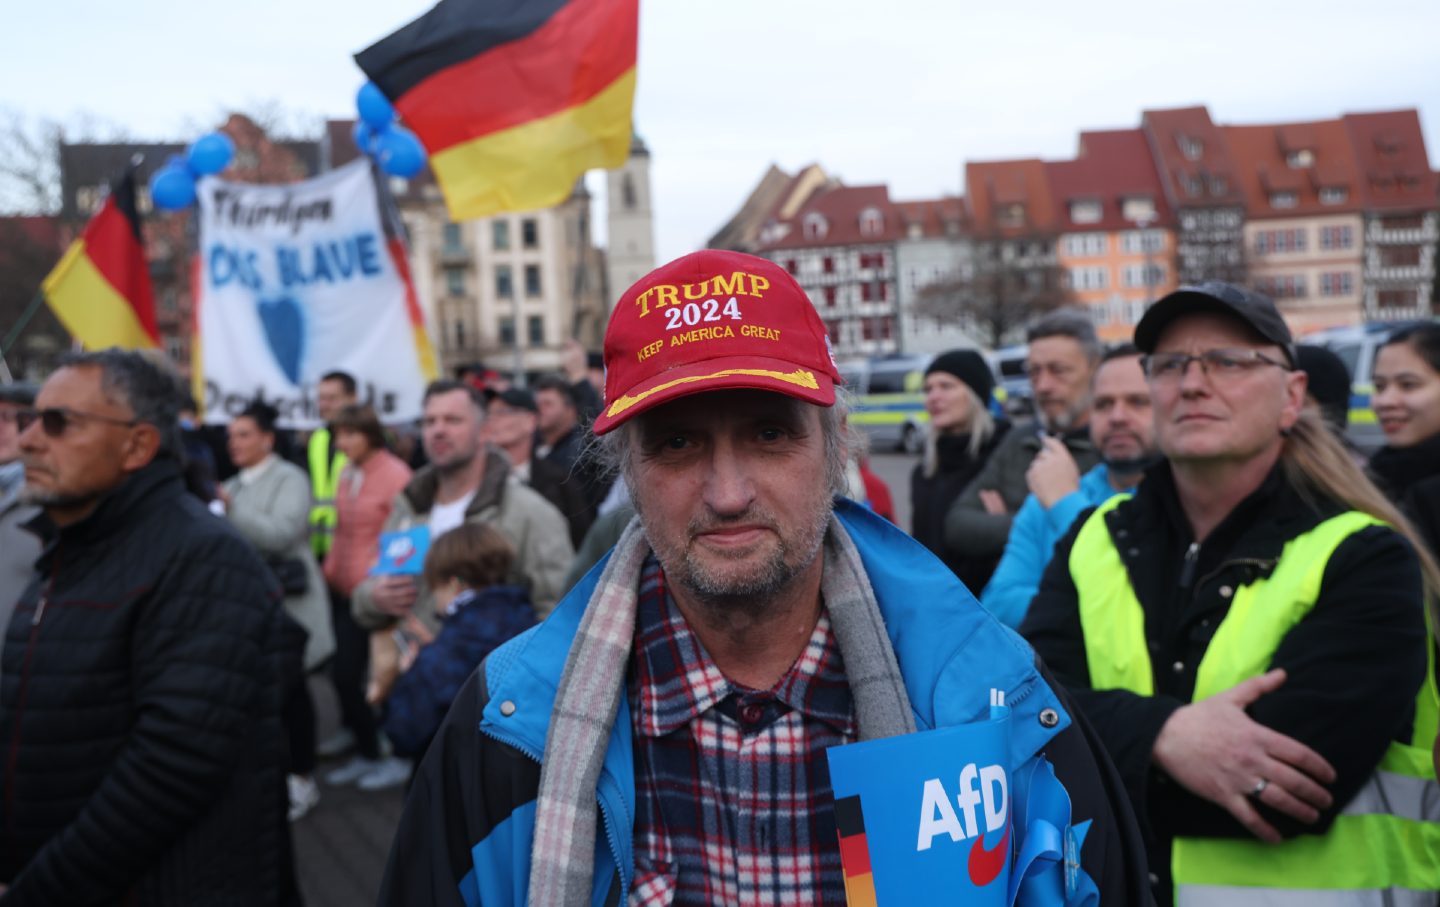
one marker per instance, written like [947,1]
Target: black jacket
[139,712]
[931,497]
[1411,477]
[1354,663]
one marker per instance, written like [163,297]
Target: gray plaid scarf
[588,698]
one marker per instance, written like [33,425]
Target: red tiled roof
[1212,167]
[990,185]
[1394,169]
[1262,167]
[936,217]
[841,207]
[1113,165]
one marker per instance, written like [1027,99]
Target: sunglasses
[57,419]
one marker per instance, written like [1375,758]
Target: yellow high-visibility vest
[1384,847]
[324,482]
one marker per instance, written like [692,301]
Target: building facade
[630,231]
[1200,185]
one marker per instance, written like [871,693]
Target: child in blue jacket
[466,568]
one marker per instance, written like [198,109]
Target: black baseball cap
[1253,308]
[515,398]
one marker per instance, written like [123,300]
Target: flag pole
[25,317]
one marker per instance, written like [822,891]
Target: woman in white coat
[268,502]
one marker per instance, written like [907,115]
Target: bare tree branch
[1008,282]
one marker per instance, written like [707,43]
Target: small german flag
[514,99]
[854,852]
[100,290]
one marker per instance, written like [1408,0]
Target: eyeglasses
[1219,365]
[1054,369]
[56,420]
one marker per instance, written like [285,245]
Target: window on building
[452,238]
[535,330]
[1086,211]
[1138,208]
[1339,237]
[1300,158]
[507,331]
[1283,199]
[532,281]
[815,226]
[1191,147]
[175,349]
[459,333]
[455,281]
[827,264]
[500,230]
[1337,283]
[529,233]
[1135,276]
[867,292]
[504,282]
[1012,216]
[1334,195]
[628,199]
[791,266]
[830,297]
[1135,242]
[872,222]
[1283,286]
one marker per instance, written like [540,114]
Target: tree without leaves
[1007,283]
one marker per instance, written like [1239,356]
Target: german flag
[100,290]
[514,99]
[854,852]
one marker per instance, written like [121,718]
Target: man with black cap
[1246,633]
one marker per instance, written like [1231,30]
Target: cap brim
[1167,309]
[726,373]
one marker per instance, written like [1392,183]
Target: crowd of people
[655,588]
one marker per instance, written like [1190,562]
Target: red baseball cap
[711,321]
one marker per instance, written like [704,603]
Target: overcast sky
[900,92]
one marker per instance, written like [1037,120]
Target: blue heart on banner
[284,324]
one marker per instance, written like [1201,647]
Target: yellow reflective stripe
[1111,618]
[1359,851]
[1263,611]
[800,377]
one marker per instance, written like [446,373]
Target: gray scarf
[588,698]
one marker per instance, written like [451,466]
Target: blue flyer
[402,553]
[926,818]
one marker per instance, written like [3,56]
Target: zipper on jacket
[1259,563]
[534,756]
[13,756]
[1187,570]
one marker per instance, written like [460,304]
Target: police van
[887,400]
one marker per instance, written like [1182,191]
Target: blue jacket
[422,695]
[1032,540]
[468,823]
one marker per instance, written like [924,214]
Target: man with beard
[1060,361]
[1123,430]
[467,481]
[661,738]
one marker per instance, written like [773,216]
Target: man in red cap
[661,737]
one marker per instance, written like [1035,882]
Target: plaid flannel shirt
[733,800]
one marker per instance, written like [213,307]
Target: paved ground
[341,846]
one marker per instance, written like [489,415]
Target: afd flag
[299,280]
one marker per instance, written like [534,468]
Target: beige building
[1311,266]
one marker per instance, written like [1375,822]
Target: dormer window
[1300,159]
[1088,211]
[815,226]
[1138,208]
[1190,146]
[1333,195]
[872,222]
[1012,216]
[1283,200]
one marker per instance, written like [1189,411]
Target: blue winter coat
[469,820]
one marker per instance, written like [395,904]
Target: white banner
[297,281]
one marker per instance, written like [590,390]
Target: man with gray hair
[662,737]
[139,708]
[1063,354]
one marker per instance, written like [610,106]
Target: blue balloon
[172,187]
[364,137]
[374,107]
[211,153]
[399,152]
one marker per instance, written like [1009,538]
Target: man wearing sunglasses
[1246,633]
[139,708]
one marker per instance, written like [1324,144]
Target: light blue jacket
[949,651]
[1033,535]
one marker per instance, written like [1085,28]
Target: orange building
[1116,230]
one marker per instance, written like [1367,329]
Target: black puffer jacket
[143,756]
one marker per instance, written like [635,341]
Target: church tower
[630,223]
